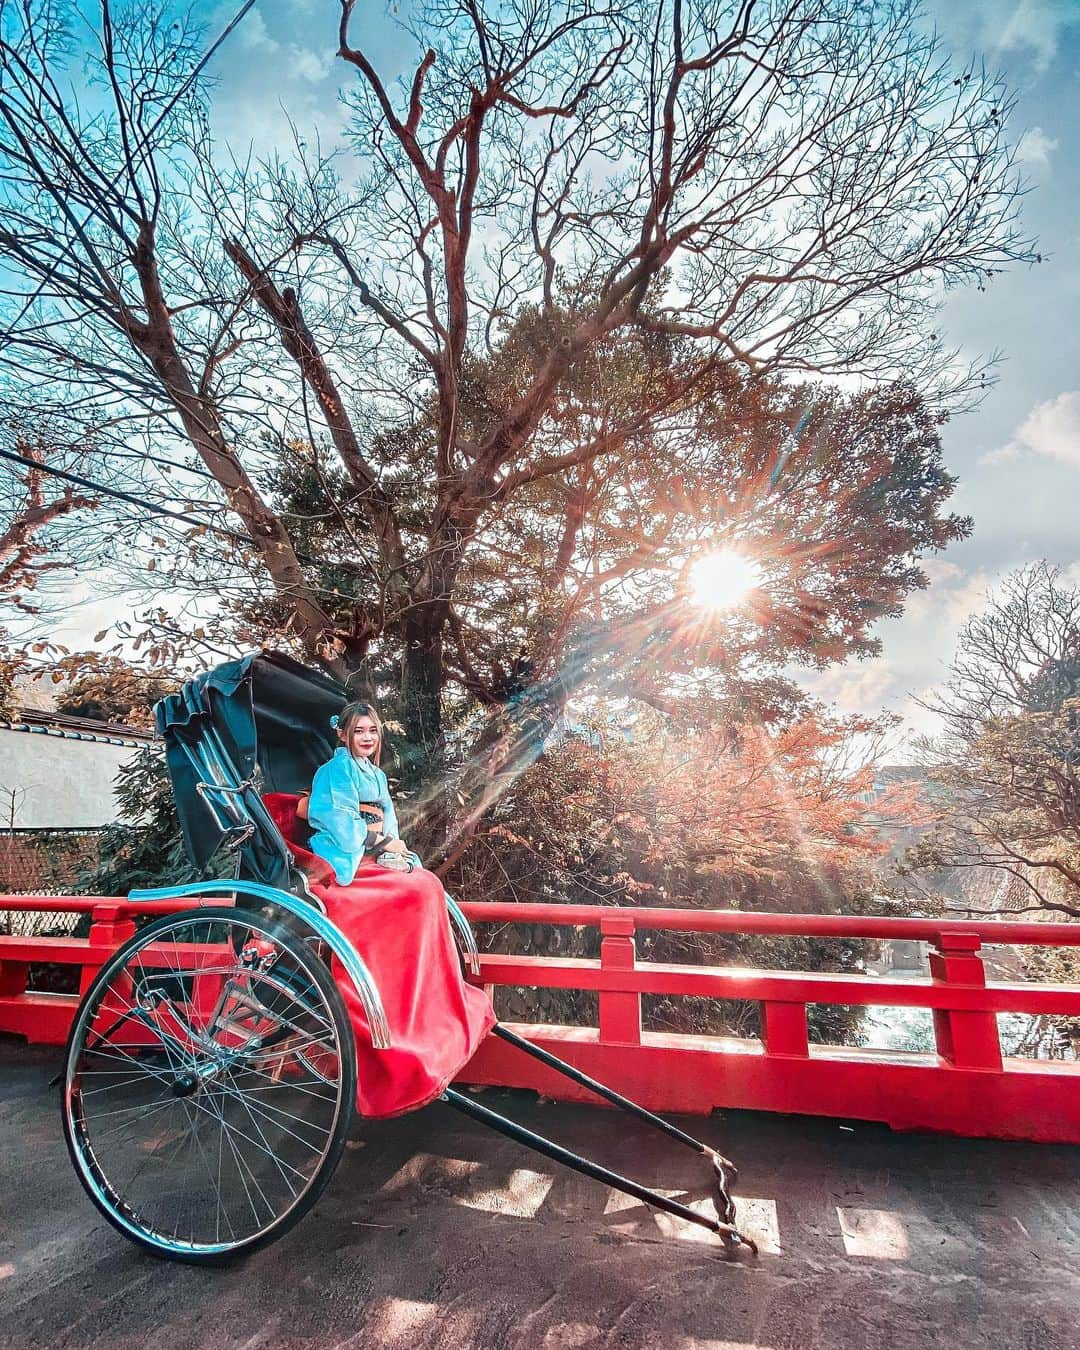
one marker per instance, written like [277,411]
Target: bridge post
[967,1040]
[783,1028]
[620,1012]
[13,977]
[109,929]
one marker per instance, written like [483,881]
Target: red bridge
[435,1233]
[965,1087]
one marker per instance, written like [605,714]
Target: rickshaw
[210,1076]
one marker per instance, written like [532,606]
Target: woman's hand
[395,846]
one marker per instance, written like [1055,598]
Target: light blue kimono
[339,831]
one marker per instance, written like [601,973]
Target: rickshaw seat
[281,807]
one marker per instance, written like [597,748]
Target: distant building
[57,777]
[57,772]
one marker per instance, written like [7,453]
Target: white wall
[57,781]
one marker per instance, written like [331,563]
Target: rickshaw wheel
[209,1084]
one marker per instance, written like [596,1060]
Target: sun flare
[724,579]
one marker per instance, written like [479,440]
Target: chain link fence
[44,862]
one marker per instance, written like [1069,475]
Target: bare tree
[31,504]
[126,310]
[42,541]
[583,233]
[1008,764]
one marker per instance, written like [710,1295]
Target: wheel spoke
[254,1127]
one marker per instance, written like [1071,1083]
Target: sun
[724,579]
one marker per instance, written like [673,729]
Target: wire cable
[143,505]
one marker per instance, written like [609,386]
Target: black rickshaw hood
[264,712]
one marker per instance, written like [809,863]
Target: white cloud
[918,719]
[1033,28]
[959,602]
[1052,429]
[314,67]
[1035,148]
[1037,25]
[941,575]
[254,35]
[1033,25]
[862,687]
[919,647]
[951,598]
[1001,456]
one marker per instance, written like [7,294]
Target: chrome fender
[465,934]
[320,925]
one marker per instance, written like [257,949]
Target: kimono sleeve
[339,830]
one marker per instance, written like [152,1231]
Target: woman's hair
[348,717]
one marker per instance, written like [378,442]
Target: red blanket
[398,923]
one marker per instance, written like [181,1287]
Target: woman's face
[363,738]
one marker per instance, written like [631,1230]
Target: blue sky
[1017,456]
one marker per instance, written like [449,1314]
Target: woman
[347,783]
[397,921]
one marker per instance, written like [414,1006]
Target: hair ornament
[334,722]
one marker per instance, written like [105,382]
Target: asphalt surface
[437,1233]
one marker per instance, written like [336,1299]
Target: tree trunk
[157,342]
[421,693]
[421,760]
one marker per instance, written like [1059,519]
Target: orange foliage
[723,815]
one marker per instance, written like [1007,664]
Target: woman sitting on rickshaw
[350,811]
[394,912]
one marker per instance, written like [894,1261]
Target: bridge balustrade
[964,1086]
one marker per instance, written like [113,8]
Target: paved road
[436,1233]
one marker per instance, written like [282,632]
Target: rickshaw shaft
[550,1149]
[601,1090]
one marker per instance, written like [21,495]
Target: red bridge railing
[965,1086]
[45,1019]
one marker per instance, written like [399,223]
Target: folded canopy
[264,712]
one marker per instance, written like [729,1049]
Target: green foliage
[575,585]
[836,497]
